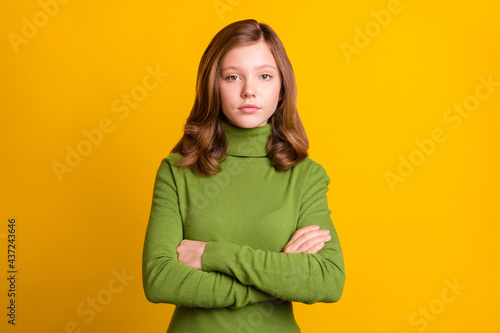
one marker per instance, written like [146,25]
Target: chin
[248,123]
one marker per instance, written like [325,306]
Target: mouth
[249,109]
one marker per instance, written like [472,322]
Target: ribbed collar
[247,141]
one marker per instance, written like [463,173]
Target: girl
[239,224]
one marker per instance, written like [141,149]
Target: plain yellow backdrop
[400,101]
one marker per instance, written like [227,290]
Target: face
[250,85]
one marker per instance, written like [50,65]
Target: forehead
[249,56]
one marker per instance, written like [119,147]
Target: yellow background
[402,244]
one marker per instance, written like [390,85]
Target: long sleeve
[300,277]
[165,279]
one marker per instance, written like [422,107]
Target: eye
[267,75]
[231,76]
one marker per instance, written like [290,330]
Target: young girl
[239,224]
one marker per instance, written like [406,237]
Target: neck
[247,141]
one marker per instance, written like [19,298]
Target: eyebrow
[256,67]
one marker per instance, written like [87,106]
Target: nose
[249,89]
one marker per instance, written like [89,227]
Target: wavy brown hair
[204,144]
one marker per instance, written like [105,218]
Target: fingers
[315,249]
[313,244]
[302,231]
[309,240]
[190,253]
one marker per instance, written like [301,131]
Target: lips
[249,108]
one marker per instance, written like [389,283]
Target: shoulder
[169,163]
[168,174]
[308,165]
[312,172]
[171,159]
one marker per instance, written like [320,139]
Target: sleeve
[165,279]
[301,277]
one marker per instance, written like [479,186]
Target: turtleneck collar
[247,141]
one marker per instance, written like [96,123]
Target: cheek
[275,92]
[225,95]
[223,98]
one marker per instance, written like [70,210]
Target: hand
[308,239]
[190,252]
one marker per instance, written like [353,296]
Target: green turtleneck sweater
[246,213]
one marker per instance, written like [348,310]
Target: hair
[204,144]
